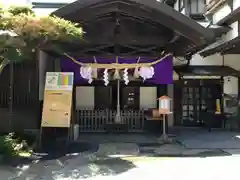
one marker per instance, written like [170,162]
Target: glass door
[191,106]
[196,97]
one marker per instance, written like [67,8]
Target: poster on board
[57,102]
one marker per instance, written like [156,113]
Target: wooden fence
[25,101]
[90,120]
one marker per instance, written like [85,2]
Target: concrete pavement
[140,159]
[128,161]
[210,168]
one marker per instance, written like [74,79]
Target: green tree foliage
[22,33]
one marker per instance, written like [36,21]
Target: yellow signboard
[57,103]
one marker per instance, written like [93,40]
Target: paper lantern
[86,73]
[164,105]
[146,72]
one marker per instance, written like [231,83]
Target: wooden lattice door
[195,97]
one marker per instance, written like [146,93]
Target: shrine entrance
[100,116]
[129,44]
[96,107]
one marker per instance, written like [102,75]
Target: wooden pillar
[42,68]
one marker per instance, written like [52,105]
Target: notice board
[57,104]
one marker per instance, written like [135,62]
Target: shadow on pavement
[54,151]
[75,161]
[93,168]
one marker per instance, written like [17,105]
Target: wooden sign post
[164,109]
[57,104]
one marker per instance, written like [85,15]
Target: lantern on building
[164,109]
[164,105]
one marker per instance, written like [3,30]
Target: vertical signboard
[57,103]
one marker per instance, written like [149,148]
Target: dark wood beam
[148,20]
[104,54]
[124,16]
[129,40]
[150,50]
[157,12]
[180,46]
[175,38]
[223,48]
[97,49]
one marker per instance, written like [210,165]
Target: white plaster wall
[148,97]
[208,61]
[236,4]
[230,83]
[221,13]
[225,10]
[84,97]
[232,60]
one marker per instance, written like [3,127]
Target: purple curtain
[163,70]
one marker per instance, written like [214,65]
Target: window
[130,98]
[197,7]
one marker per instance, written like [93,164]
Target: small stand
[164,109]
[164,135]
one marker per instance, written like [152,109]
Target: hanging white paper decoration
[105,77]
[86,73]
[116,74]
[136,72]
[125,76]
[146,72]
[95,73]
